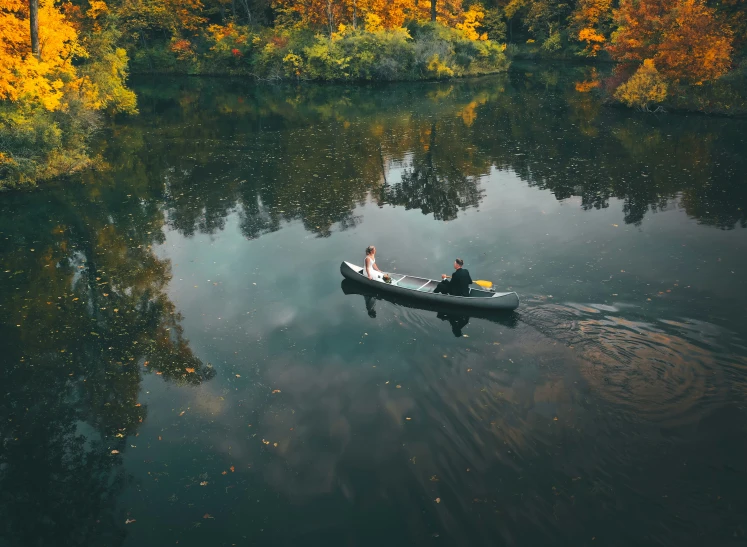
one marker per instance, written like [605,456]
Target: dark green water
[180,365]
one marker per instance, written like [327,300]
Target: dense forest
[64,64]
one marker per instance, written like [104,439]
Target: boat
[421,289]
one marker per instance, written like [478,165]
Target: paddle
[481,282]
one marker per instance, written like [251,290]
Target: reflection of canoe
[507,318]
[421,289]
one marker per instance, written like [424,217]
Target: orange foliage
[586,86]
[684,38]
[330,14]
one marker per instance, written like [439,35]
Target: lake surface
[180,363]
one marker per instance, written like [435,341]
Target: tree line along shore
[64,65]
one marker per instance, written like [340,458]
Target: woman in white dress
[370,268]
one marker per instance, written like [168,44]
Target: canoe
[421,289]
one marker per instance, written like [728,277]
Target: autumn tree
[591,23]
[685,39]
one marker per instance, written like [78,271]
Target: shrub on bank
[420,51]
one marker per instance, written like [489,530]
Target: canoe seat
[414,283]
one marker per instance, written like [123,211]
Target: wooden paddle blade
[483,283]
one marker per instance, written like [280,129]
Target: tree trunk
[34,22]
[433,10]
[330,17]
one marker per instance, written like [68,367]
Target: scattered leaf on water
[434,478]
[276,391]
[115,451]
[465,335]
[275,445]
[399,386]
[207,516]
[188,369]
[224,473]
[408,418]
[182,413]
[469,370]
[159,437]
[130,521]
[138,404]
[238,376]
[555,419]
[232,468]
[204,483]
[438,500]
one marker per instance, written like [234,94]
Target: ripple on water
[667,372]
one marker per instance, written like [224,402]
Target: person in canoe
[459,283]
[372,270]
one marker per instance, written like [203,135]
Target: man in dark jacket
[459,283]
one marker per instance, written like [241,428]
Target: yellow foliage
[23,77]
[646,86]
[471,21]
[373,23]
[438,68]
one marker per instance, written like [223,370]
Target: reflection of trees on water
[313,153]
[433,184]
[88,296]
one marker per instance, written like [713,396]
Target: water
[181,364]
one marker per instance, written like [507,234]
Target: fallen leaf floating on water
[276,391]
[115,451]
[434,478]
[159,437]
[189,369]
[208,516]
[399,386]
[182,413]
[238,376]
[204,483]
[438,500]
[224,473]
[232,468]
[265,442]
[408,418]
[138,404]
[275,445]
[130,521]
